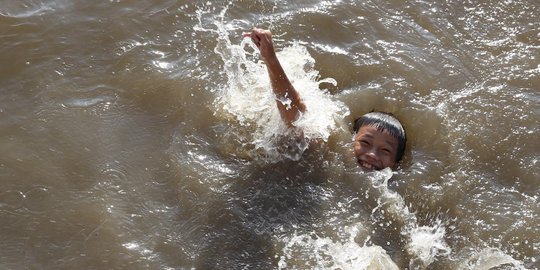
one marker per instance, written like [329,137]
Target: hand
[281,85]
[263,40]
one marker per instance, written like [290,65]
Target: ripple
[113,179]
[127,46]
[115,175]
[18,9]
[99,94]
[12,247]
[88,102]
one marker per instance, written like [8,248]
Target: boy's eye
[386,151]
[364,142]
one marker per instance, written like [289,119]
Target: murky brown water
[131,136]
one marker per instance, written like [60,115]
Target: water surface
[142,135]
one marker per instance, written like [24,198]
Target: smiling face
[375,149]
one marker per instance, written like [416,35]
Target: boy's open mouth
[368,166]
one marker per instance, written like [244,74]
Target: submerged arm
[281,86]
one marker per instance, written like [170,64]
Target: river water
[143,135]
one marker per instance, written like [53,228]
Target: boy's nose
[372,154]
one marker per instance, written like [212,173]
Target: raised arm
[281,86]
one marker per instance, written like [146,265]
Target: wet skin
[374,149]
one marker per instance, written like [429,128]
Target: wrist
[271,61]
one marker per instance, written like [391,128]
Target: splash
[491,258]
[315,252]
[424,243]
[247,97]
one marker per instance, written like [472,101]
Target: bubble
[11,199]
[38,199]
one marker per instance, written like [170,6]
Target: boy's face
[375,150]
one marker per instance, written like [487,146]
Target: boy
[379,140]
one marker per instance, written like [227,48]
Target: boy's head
[379,140]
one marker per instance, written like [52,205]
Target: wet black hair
[384,122]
